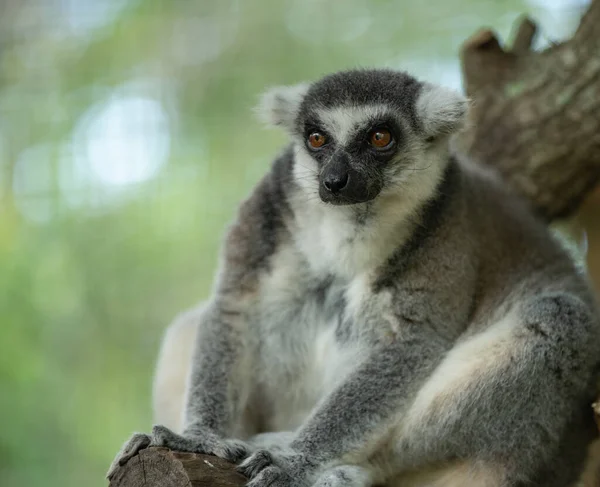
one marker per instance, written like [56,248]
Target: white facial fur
[343,121]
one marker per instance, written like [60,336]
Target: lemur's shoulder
[515,246]
[259,226]
[494,208]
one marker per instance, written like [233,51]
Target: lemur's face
[359,134]
[354,150]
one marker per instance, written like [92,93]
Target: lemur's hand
[196,442]
[285,468]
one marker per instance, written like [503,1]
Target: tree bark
[536,118]
[534,115]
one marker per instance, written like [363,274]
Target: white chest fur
[304,344]
[347,241]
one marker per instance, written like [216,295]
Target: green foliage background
[92,271]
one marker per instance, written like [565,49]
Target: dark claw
[235,452]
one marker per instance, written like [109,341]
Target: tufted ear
[279,105]
[442,111]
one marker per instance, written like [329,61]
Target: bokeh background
[127,140]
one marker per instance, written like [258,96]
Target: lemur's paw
[278,469]
[208,443]
[255,463]
[272,476]
[130,448]
[232,450]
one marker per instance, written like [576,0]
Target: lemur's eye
[316,140]
[380,138]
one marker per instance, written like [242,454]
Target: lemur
[386,311]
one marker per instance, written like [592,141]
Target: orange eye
[380,138]
[316,140]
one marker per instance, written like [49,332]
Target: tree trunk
[535,114]
[535,117]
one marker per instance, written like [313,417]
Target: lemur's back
[515,247]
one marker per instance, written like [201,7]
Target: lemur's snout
[340,184]
[335,182]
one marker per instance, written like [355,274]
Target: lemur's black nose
[335,182]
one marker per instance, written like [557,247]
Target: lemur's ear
[279,105]
[442,111]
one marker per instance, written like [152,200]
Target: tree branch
[535,114]
[524,38]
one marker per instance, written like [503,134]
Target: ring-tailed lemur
[385,311]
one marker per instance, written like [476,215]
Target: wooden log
[161,467]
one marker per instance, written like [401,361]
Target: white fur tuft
[279,105]
[441,110]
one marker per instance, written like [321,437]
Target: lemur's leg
[453,474]
[501,402]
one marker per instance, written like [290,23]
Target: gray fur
[433,333]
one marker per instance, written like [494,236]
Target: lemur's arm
[216,396]
[219,384]
[221,378]
[358,413]
[477,406]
